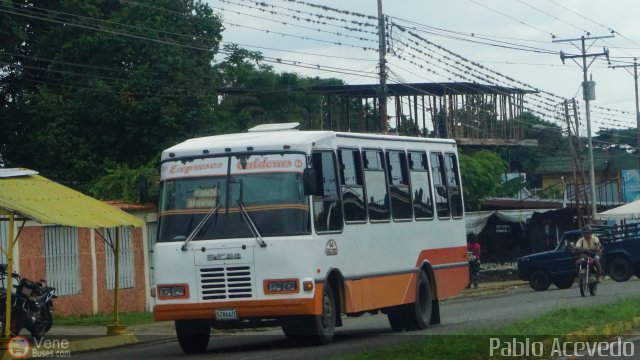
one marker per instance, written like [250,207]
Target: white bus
[297,228]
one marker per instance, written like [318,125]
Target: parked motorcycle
[587,274]
[31,304]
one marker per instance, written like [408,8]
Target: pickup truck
[620,260]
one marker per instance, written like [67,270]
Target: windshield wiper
[199,227]
[251,225]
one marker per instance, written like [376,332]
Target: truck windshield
[269,185]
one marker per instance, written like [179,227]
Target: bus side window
[353,197]
[420,185]
[399,185]
[376,185]
[453,185]
[440,185]
[327,210]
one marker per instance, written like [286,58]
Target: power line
[513,18]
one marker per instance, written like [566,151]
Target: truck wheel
[193,335]
[539,280]
[620,269]
[565,282]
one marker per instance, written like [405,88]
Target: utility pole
[572,150]
[635,78]
[588,93]
[382,49]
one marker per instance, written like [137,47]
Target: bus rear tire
[193,335]
[415,316]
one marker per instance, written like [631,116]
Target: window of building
[453,185]
[420,185]
[327,210]
[440,185]
[353,197]
[127,271]
[62,259]
[376,185]
[399,185]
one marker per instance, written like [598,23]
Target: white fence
[62,259]
[127,270]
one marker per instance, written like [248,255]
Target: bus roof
[294,140]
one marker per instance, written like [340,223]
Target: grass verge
[127,318]
[596,321]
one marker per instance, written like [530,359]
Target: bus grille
[226,282]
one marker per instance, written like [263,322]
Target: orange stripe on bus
[379,292]
[246,309]
[235,210]
[443,256]
[451,281]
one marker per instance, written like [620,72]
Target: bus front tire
[415,316]
[193,335]
[319,329]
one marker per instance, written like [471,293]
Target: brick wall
[32,266]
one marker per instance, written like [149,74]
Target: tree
[481,176]
[92,84]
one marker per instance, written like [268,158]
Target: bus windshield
[269,186]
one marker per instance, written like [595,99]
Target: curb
[102,342]
[490,289]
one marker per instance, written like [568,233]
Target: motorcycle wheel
[582,282]
[42,325]
[593,289]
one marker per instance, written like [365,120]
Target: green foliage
[481,174]
[550,142]
[131,185]
[125,318]
[128,100]
[511,187]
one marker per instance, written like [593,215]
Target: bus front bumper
[264,309]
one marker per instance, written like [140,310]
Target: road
[370,332]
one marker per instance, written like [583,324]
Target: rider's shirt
[583,243]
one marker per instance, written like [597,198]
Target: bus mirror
[310,179]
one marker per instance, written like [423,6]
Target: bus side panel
[451,269]
[378,292]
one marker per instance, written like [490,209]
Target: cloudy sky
[512,38]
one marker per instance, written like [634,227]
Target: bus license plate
[226,314]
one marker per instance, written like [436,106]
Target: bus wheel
[324,326]
[421,309]
[318,329]
[414,316]
[193,335]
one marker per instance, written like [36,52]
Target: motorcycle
[31,304]
[587,274]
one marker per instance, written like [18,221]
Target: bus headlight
[281,286]
[173,291]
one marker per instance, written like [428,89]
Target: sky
[281,31]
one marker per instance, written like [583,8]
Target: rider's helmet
[586,230]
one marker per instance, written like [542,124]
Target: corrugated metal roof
[48,202]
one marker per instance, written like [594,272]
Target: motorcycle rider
[588,241]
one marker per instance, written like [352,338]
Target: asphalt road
[370,332]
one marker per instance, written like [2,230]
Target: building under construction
[473,114]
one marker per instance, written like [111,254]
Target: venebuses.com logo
[18,347]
